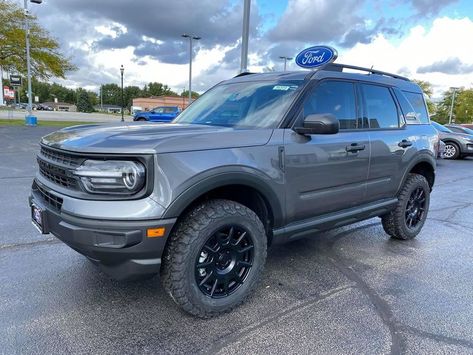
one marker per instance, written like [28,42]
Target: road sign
[15,80]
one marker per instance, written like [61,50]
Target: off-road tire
[394,222]
[185,243]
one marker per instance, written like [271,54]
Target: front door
[326,173]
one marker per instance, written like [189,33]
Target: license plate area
[38,218]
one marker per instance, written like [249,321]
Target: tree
[83,101]
[185,93]
[112,94]
[46,60]
[158,89]
[462,109]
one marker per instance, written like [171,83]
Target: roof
[334,70]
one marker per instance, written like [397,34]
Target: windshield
[461,129]
[440,128]
[242,105]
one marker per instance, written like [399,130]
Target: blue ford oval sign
[317,56]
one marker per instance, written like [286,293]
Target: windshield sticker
[285,87]
[281,87]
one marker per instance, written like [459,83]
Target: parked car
[42,107]
[259,159]
[158,114]
[459,129]
[457,145]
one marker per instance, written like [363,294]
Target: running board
[341,218]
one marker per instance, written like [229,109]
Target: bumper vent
[47,197]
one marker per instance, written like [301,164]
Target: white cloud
[446,38]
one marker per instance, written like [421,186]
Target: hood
[153,138]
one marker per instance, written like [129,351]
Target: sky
[429,40]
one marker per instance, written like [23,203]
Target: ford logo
[317,56]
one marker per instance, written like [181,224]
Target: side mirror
[321,123]
[412,116]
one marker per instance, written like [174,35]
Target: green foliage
[158,89]
[46,60]
[462,109]
[185,93]
[84,103]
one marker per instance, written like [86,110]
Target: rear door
[326,173]
[392,146]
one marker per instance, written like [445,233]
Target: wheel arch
[425,166]
[247,189]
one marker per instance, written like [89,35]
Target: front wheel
[452,151]
[408,218]
[214,258]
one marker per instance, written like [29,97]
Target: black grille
[60,157]
[57,166]
[56,174]
[52,200]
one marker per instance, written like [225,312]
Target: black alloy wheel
[224,261]
[415,208]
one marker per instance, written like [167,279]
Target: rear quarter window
[416,105]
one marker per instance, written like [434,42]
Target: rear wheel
[214,258]
[452,151]
[407,220]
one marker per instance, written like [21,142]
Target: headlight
[111,176]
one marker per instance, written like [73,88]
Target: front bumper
[120,248]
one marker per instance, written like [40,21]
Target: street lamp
[191,37]
[30,120]
[285,60]
[244,36]
[122,69]
[454,89]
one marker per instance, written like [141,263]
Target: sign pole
[2,103]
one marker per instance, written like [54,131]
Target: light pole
[29,118]
[191,37]
[285,60]
[122,69]
[454,89]
[244,36]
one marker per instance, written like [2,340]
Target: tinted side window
[337,98]
[418,103]
[381,109]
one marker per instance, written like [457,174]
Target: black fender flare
[206,184]
[421,158]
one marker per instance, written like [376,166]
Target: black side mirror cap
[321,123]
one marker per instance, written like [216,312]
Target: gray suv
[259,159]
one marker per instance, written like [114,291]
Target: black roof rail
[243,74]
[339,67]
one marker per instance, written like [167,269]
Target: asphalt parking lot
[350,290]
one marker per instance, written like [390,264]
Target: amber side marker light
[155,232]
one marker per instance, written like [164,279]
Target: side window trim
[365,108]
[300,113]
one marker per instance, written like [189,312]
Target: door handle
[405,143]
[354,147]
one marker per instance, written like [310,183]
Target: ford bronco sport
[257,160]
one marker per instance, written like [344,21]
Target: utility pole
[244,37]
[2,103]
[101,97]
[30,120]
[454,89]
[285,60]
[122,69]
[191,37]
